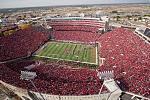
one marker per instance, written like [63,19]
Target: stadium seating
[124,52]
[128,55]
[76,36]
[76,25]
[21,44]
[72,81]
[75,28]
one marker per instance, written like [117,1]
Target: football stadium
[74,59]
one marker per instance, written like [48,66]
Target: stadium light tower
[26,75]
[109,83]
[106,75]
[45,23]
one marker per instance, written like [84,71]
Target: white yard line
[82,43]
[65,59]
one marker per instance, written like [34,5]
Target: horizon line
[71,5]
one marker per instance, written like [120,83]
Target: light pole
[26,75]
[105,75]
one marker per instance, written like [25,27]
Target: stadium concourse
[124,52]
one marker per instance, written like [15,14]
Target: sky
[33,3]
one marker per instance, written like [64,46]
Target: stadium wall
[24,93]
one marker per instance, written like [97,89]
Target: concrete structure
[24,93]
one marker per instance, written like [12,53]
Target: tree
[139,18]
[128,16]
[135,19]
[117,18]
[114,11]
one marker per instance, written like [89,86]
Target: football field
[69,52]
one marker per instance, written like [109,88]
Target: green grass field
[69,52]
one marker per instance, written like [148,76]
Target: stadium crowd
[75,28]
[75,25]
[124,52]
[21,43]
[76,36]
[128,55]
[53,78]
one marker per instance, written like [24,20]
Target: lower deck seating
[21,44]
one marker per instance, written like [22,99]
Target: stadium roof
[73,18]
